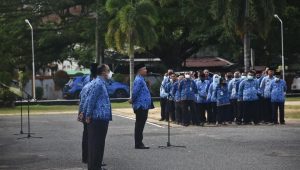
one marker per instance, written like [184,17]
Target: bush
[155,89]
[7,98]
[60,79]
[39,93]
[5,77]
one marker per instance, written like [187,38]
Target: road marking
[150,123]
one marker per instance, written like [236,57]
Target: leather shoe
[142,147]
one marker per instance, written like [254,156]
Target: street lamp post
[282,56]
[33,66]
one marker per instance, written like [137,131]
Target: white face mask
[243,77]
[171,80]
[276,79]
[110,74]
[250,77]
[187,76]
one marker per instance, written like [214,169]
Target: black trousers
[275,107]
[141,118]
[260,111]
[178,112]
[163,104]
[240,111]
[212,112]
[170,110]
[250,111]
[222,113]
[85,143]
[201,109]
[189,113]
[234,110]
[97,131]
[267,107]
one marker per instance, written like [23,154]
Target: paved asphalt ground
[231,147]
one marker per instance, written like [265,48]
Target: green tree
[244,17]
[132,25]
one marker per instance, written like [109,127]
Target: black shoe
[142,147]
[161,119]
[103,164]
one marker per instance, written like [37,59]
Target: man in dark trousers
[141,103]
[81,116]
[98,115]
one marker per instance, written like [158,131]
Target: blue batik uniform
[211,92]
[248,90]
[169,87]
[265,86]
[175,92]
[187,89]
[141,98]
[162,90]
[83,97]
[233,88]
[222,95]
[278,89]
[98,103]
[202,87]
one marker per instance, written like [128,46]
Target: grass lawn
[291,112]
[293,99]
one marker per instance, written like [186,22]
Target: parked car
[115,89]
[295,87]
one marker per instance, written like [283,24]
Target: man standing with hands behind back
[141,103]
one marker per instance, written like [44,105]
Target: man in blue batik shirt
[265,90]
[278,89]
[233,88]
[98,115]
[187,89]
[82,110]
[141,103]
[248,93]
[201,98]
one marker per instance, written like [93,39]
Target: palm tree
[242,17]
[132,26]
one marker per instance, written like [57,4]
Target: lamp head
[27,21]
[276,16]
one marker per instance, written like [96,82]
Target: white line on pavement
[153,124]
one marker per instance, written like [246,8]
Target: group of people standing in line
[95,112]
[202,97]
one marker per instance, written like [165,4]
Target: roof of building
[206,62]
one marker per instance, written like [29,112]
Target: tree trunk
[246,52]
[246,40]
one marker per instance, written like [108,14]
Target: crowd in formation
[200,98]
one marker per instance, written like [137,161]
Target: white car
[296,84]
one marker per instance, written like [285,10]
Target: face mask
[110,74]
[217,80]
[243,77]
[187,76]
[250,77]
[276,79]
[171,80]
